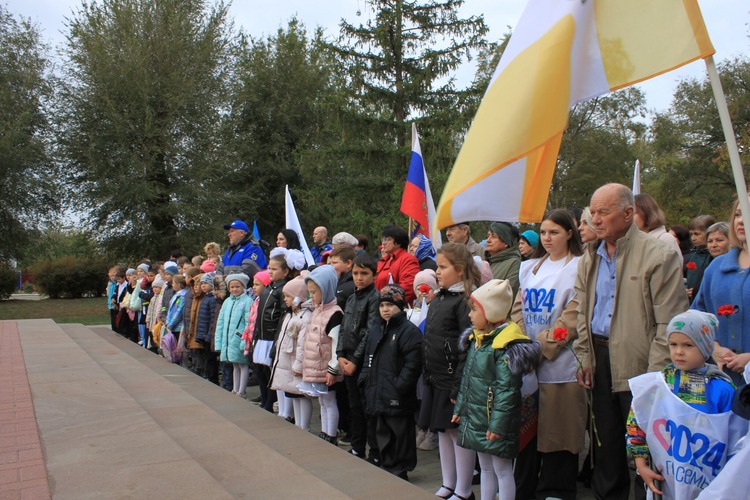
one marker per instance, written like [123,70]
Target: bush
[28,287]
[8,280]
[70,277]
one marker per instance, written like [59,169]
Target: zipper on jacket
[448,355]
[490,403]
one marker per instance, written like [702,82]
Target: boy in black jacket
[360,318]
[393,363]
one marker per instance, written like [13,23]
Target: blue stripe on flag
[416,171]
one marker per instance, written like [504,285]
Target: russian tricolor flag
[416,202]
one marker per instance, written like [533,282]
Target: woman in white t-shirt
[546,309]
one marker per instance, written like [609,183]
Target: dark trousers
[397,442]
[357,420]
[210,364]
[526,472]
[198,361]
[342,402]
[557,475]
[372,427]
[227,375]
[112,316]
[610,479]
[267,396]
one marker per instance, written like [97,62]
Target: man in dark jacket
[244,254]
[393,362]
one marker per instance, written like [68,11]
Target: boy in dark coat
[393,362]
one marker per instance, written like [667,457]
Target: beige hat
[495,298]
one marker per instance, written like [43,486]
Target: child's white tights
[497,476]
[456,464]
[329,413]
[240,376]
[285,405]
[302,412]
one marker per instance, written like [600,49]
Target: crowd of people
[503,354]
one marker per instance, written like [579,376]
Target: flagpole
[734,155]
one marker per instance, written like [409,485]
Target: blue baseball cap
[238,224]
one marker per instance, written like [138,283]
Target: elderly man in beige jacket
[629,286]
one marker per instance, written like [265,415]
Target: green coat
[505,266]
[489,397]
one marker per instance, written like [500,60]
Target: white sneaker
[140,342]
[430,442]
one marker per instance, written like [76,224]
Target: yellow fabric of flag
[562,52]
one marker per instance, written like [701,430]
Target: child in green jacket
[488,408]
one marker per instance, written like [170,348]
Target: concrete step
[117,421]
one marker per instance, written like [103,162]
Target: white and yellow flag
[562,52]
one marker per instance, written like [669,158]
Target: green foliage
[27,189]
[8,281]
[691,172]
[140,116]
[598,147]
[56,242]
[278,110]
[71,277]
[390,71]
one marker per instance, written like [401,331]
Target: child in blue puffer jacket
[229,327]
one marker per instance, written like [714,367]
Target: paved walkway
[22,471]
[85,413]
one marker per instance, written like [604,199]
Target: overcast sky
[727,22]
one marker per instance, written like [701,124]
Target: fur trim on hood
[523,354]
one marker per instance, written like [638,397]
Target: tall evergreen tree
[27,174]
[397,67]
[140,118]
[279,110]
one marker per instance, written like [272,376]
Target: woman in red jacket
[397,265]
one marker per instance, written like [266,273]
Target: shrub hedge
[71,277]
[8,280]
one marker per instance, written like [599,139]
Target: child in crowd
[130,330]
[668,417]
[361,317]
[229,326]
[425,285]
[698,258]
[320,366]
[174,321]
[195,347]
[168,272]
[146,295]
[153,322]
[112,296]
[393,362]
[342,260]
[488,408]
[190,275]
[204,323]
[213,252]
[283,266]
[261,280]
[447,318]
[285,376]
[215,369]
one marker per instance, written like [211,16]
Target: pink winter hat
[296,288]
[263,277]
[208,266]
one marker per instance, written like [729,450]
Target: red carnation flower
[560,334]
[691,266]
[424,288]
[727,310]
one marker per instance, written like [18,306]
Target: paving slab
[117,421]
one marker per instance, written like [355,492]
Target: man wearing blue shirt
[629,287]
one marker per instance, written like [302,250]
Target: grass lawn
[87,311]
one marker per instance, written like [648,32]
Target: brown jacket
[649,292]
